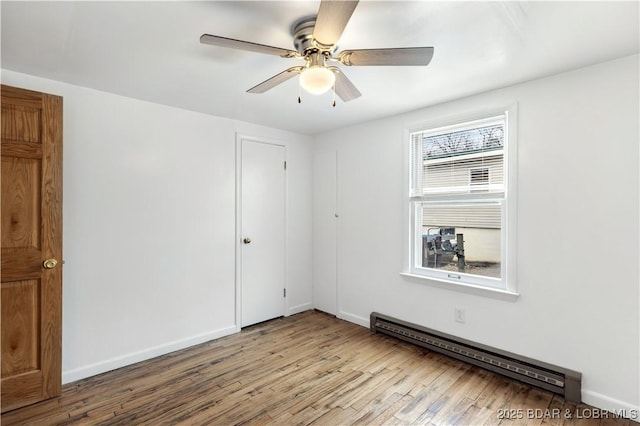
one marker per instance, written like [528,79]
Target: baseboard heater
[546,376]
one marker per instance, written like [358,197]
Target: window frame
[506,285]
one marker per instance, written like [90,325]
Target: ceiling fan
[315,41]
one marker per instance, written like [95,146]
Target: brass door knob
[50,263]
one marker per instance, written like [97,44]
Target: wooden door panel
[21,333]
[21,123]
[31,231]
[21,202]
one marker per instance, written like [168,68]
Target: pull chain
[299,92]
[334,94]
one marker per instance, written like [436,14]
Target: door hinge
[285,292]
[285,165]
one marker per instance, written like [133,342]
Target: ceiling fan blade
[397,56]
[246,45]
[275,80]
[331,21]
[344,87]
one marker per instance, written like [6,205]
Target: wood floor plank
[388,413]
[373,389]
[460,396]
[478,416]
[376,407]
[310,368]
[336,416]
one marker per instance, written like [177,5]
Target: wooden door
[263,232]
[31,235]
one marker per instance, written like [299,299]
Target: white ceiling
[151,51]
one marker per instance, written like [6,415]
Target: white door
[325,221]
[262,231]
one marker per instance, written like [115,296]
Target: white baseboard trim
[299,308]
[353,318]
[615,406]
[145,354]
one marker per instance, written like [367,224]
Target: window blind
[486,215]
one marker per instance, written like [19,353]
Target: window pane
[459,161]
[478,251]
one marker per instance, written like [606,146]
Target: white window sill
[465,288]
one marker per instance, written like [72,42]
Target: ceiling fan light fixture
[317,80]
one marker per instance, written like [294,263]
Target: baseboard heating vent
[546,376]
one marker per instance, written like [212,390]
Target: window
[458,196]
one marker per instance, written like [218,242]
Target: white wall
[577,233]
[149,226]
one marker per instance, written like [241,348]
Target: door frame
[238,243]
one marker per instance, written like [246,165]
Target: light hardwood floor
[309,368]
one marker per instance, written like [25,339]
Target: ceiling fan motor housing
[302,31]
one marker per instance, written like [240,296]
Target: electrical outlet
[459,315]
